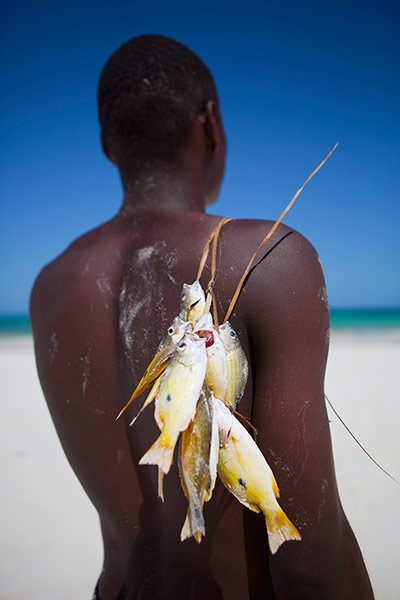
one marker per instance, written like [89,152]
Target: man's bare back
[98,314]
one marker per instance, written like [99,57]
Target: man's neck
[159,192]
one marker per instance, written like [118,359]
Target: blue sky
[293,79]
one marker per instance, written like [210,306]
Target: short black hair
[150,91]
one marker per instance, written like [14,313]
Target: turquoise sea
[341,319]
[365,319]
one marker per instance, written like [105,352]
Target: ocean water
[14,325]
[341,320]
[365,319]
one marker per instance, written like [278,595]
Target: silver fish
[198,464]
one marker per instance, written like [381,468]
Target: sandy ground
[51,544]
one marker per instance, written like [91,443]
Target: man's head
[150,92]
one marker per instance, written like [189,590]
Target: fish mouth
[154,370]
[208,335]
[191,307]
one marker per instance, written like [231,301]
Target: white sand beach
[51,543]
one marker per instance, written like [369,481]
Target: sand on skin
[51,537]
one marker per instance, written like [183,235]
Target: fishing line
[356,440]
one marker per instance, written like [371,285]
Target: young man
[100,310]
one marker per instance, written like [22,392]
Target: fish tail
[198,536]
[161,453]
[194,524]
[280,528]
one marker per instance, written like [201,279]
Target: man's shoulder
[287,253]
[71,271]
[285,281]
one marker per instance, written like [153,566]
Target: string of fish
[199,374]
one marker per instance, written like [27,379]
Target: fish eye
[171,330]
[182,345]
[183,297]
[232,334]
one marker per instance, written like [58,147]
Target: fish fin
[161,453]
[153,371]
[148,400]
[239,453]
[252,507]
[280,529]
[214,452]
[274,486]
[160,484]
[186,531]
[194,523]
[208,494]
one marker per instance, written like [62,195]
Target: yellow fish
[246,474]
[216,373]
[176,398]
[193,302]
[237,367]
[198,464]
[165,350]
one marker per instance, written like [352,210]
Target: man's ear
[105,150]
[210,120]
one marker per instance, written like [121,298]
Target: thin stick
[247,421]
[356,440]
[204,256]
[210,286]
[215,312]
[207,246]
[270,232]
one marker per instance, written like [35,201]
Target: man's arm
[288,327]
[77,364]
